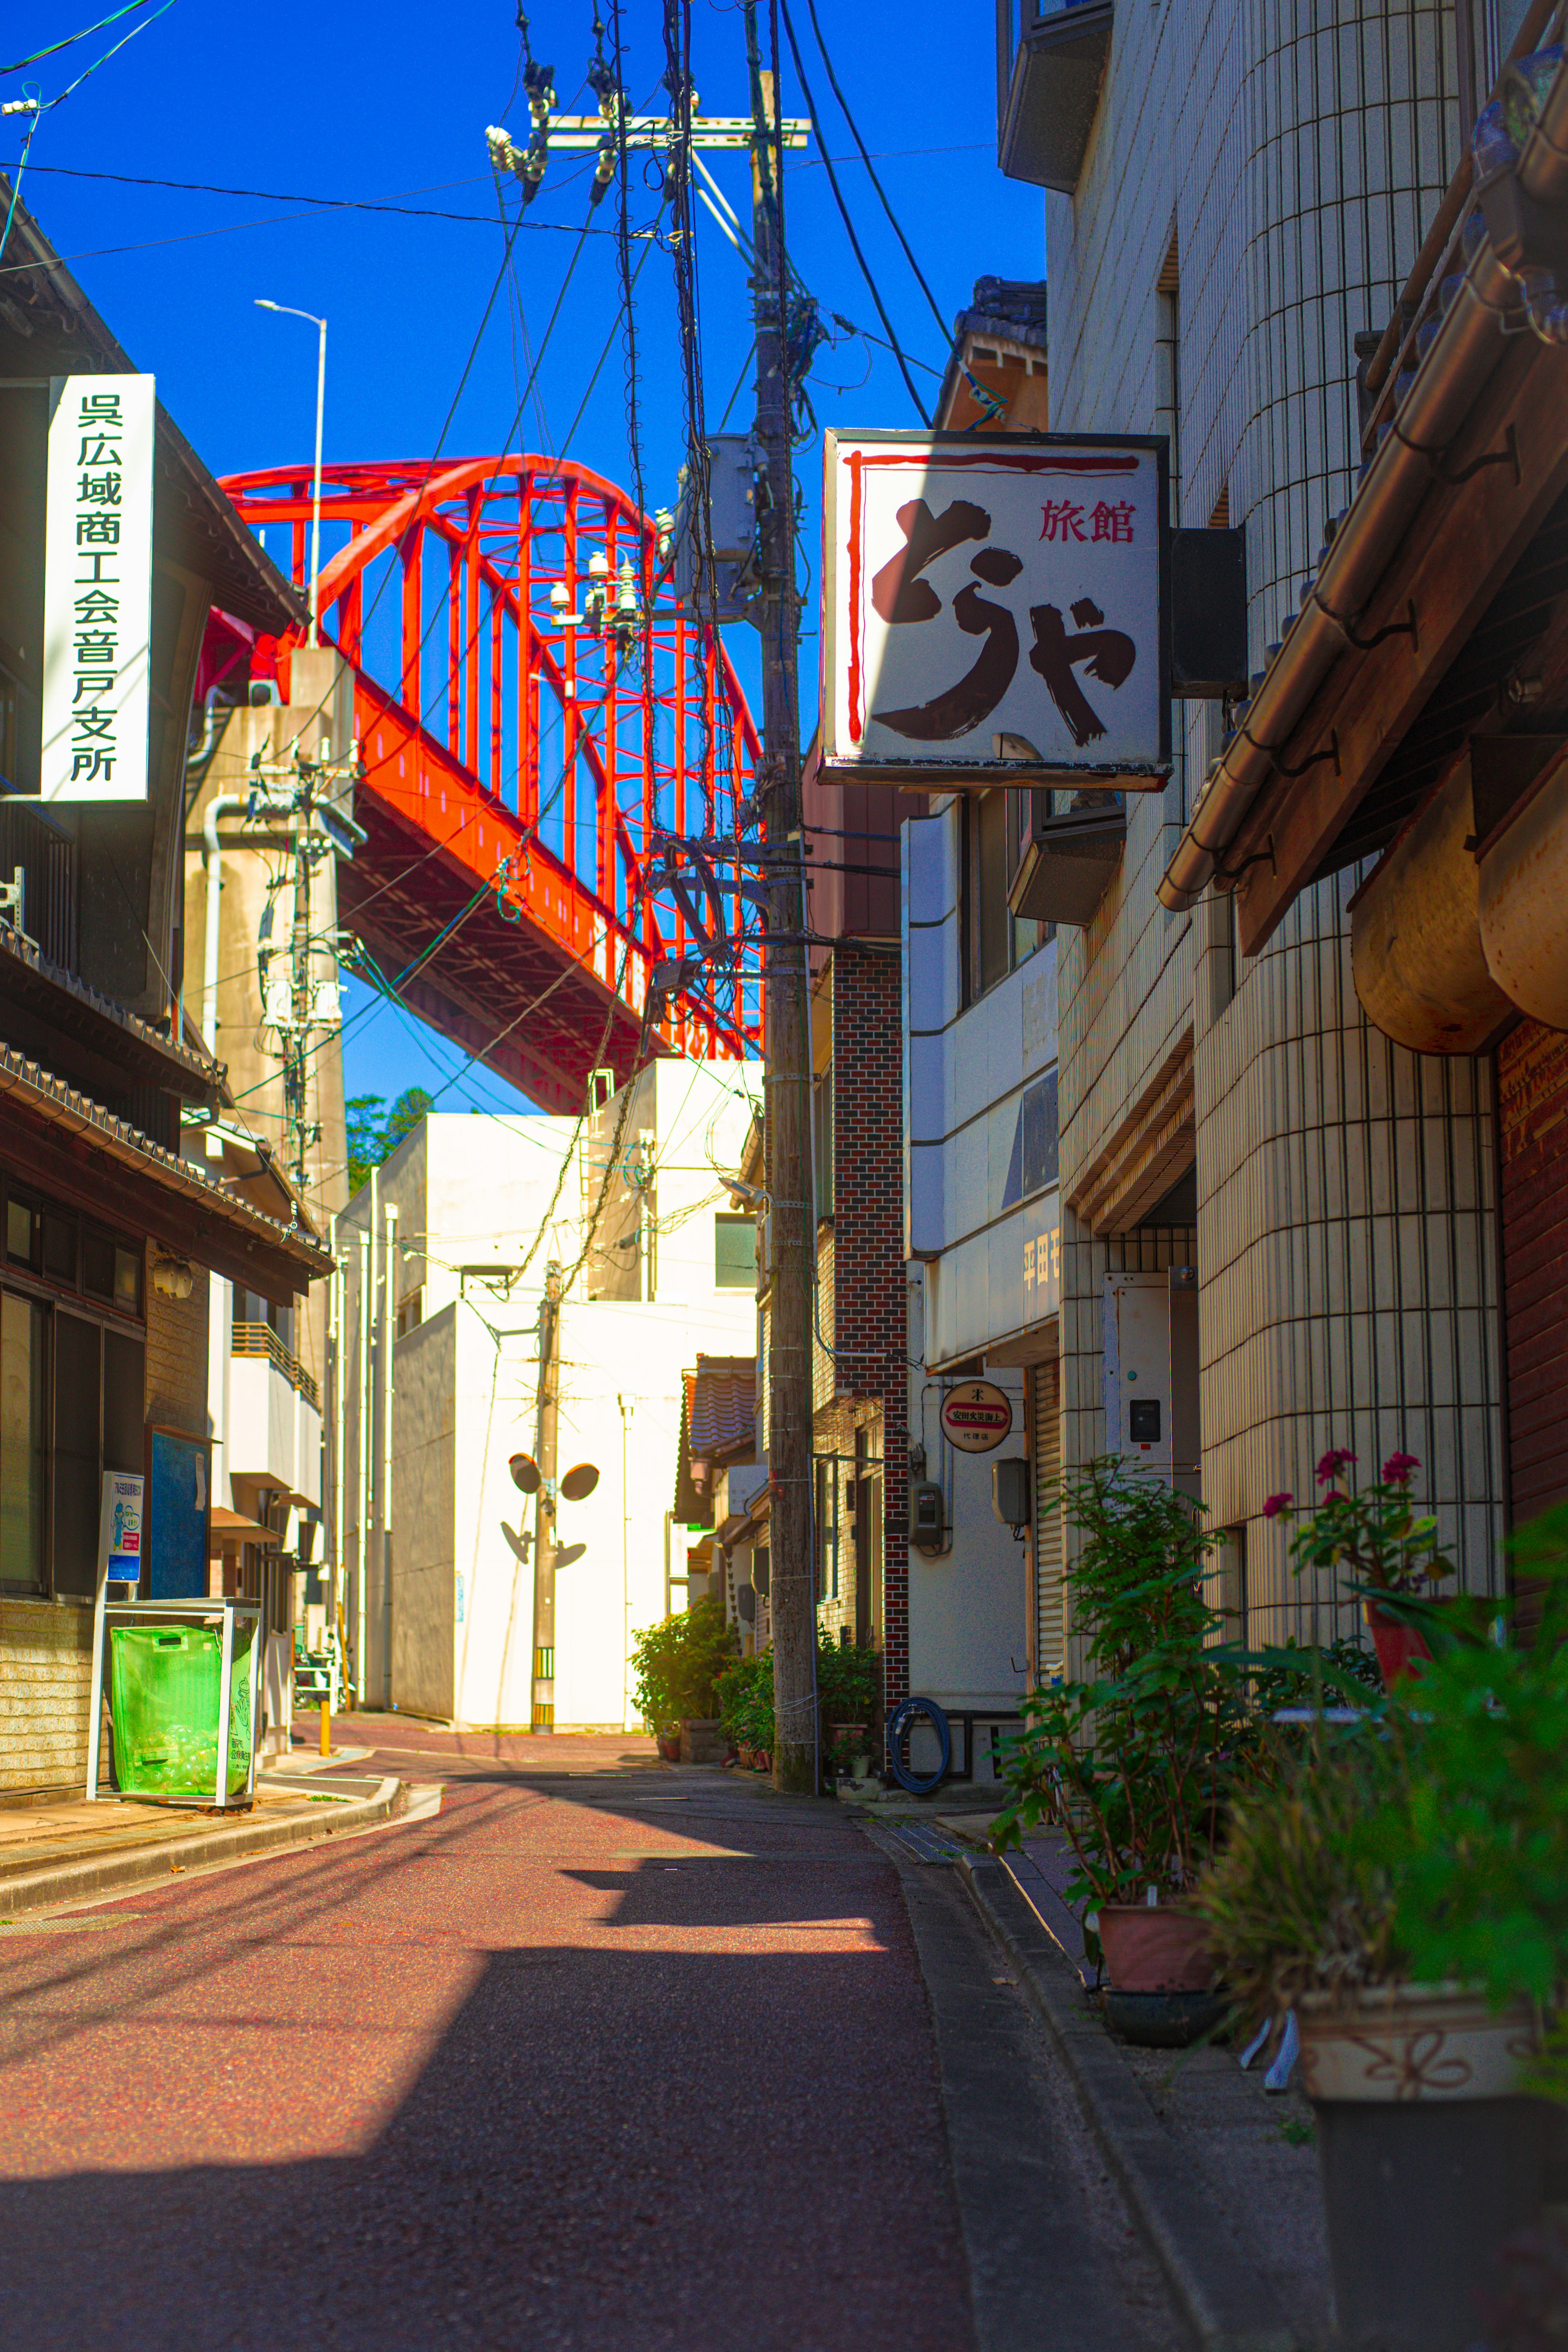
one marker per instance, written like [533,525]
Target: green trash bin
[163,1682]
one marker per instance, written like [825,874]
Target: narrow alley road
[598,2054]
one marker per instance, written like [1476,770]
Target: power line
[86,33]
[942,328]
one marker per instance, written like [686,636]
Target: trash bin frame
[180,1612]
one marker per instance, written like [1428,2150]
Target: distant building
[445,1255]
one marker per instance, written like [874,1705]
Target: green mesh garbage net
[164,1681]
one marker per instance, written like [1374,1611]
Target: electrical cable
[943,328]
[872,286]
[318,204]
[86,34]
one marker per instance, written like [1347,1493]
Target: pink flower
[1333,1496]
[1398,1466]
[1332,1464]
[1276,1504]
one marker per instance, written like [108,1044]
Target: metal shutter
[1050,1631]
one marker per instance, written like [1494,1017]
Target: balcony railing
[261,1340]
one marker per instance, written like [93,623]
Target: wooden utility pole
[543,1711]
[788,1064]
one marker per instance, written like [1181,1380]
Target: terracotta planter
[1431,2159]
[1154,1947]
[1399,1646]
[668,1745]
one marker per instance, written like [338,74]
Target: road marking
[61,1926]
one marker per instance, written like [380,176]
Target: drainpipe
[366,1438]
[389,1344]
[221,804]
[339,1412]
[1468,347]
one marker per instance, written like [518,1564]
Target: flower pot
[1154,1947]
[1430,2158]
[668,1745]
[702,1739]
[1399,1646]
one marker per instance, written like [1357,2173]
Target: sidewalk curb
[80,1882]
[1223,2303]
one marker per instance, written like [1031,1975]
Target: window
[735,1253]
[99,1420]
[822,1141]
[996,825]
[411,1312]
[22,1224]
[21,1423]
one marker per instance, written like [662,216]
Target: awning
[83,1154]
[232,1527]
[723,1405]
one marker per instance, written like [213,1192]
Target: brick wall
[177,1356]
[46,1670]
[869,1297]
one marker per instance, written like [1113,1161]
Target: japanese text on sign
[97,588]
[989,594]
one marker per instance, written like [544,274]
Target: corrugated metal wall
[1050,1618]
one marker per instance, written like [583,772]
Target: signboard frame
[973,1442]
[99,495]
[922,771]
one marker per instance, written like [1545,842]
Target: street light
[288,311]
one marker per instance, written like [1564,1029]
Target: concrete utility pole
[796,1729]
[544,1714]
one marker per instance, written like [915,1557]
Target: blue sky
[390,106]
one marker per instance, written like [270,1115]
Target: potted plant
[1138,1761]
[1402,1886]
[745,1698]
[677,1664]
[849,1691]
[1391,1556]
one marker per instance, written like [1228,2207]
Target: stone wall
[45,1676]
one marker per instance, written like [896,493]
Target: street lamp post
[320,324]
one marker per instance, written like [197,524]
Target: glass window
[822,1139]
[22,1424]
[78,1347]
[128,1280]
[21,1232]
[59,1247]
[735,1253]
[98,1265]
[124,1405]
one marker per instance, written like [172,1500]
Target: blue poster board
[177,1498]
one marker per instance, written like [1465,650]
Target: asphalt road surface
[598,2054]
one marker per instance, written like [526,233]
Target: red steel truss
[526,732]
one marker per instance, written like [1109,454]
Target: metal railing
[261,1340]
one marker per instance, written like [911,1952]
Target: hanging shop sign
[996,610]
[98,587]
[976,1416]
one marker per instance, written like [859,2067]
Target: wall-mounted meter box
[1150,1368]
[1010,1492]
[928,1517]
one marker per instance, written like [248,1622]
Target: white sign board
[120,1526]
[994,607]
[976,1416]
[98,587]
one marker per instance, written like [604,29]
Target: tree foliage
[372,1138]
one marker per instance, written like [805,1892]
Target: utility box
[928,1516]
[1010,1492]
[733,519]
[1150,1372]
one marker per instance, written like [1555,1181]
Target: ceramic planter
[1154,1947]
[1431,2159]
[668,1745]
[1399,1646]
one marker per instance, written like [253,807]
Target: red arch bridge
[541,748]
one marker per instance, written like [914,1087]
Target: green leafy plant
[848,1681]
[746,1696]
[679,1662]
[1426,1844]
[1139,1761]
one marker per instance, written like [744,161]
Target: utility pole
[788,1066]
[543,1713]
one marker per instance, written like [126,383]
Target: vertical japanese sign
[97,588]
[994,603]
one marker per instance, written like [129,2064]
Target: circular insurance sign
[976,1416]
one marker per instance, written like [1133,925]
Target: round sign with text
[976,1416]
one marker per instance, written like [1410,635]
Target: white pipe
[389,1331]
[221,804]
[316,491]
[335,1378]
[365,1439]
